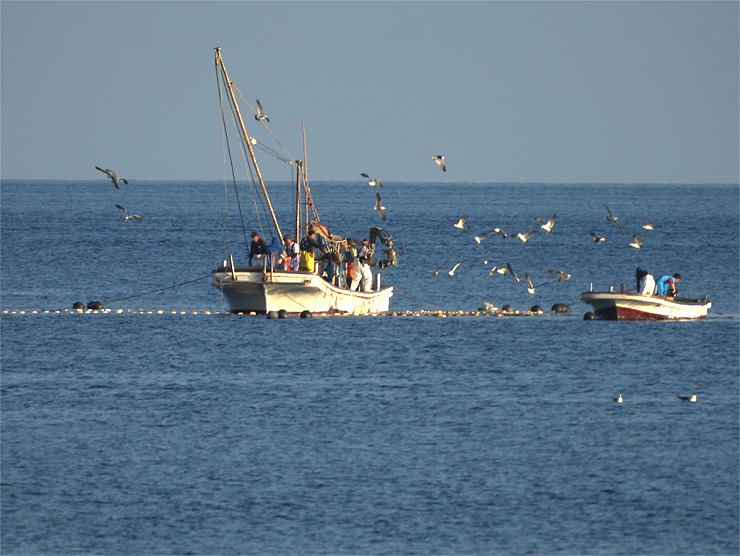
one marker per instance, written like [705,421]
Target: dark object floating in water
[536,309]
[78,305]
[272,314]
[589,316]
[95,305]
[282,314]
[507,309]
[560,308]
[306,314]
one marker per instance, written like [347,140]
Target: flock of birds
[116,180]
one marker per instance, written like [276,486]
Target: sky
[543,92]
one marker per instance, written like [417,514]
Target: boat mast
[220,62]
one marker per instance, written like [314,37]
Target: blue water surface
[146,433]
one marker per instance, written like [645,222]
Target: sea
[165,425]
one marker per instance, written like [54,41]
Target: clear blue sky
[553,92]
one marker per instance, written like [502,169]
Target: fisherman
[291,254]
[645,282]
[362,268]
[666,285]
[258,248]
[308,246]
[350,254]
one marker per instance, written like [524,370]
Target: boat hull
[635,306]
[250,289]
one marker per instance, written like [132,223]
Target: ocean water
[194,433]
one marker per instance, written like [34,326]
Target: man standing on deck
[362,268]
[257,249]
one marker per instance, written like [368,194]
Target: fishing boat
[623,305]
[264,285]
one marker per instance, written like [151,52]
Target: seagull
[461,223]
[127,216]
[687,398]
[512,273]
[525,236]
[478,239]
[547,226]
[498,231]
[648,226]
[373,182]
[439,159]
[112,175]
[379,206]
[619,399]
[260,115]
[563,275]
[490,307]
[598,238]
[435,272]
[636,243]
[613,219]
[499,270]
[530,287]
[483,262]
[454,268]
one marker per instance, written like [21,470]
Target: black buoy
[95,305]
[272,314]
[282,314]
[536,309]
[589,316]
[78,305]
[306,314]
[507,309]
[560,308]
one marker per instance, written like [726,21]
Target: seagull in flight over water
[461,222]
[260,115]
[530,287]
[613,219]
[525,236]
[379,206]
[512,273]
[127,216]
[636,243]
[435,272]
[439,159]
[598,238]
[563,275]
[112,175]
[372,182]
[547,226]
[648,226]
[454,268]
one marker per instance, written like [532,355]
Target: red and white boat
[623,305]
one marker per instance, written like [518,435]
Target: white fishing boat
[623,305]
[264,286]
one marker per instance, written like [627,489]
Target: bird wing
[365,176]
[511,271]
[123,209]
[611,215]
[139,218]
[528,280]
[538,219]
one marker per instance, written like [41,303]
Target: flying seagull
[498,270]
[112,175]
[379,206]
[499,231]
[439,159]
[127,216]
[480,238]
[636,243]
[260,115]
[461,222]
[563,275]
[648,226]
[435,272]
[525,236]
[512,273]
[613,219]
[530,287]
[598,238]
[490,307]
[688,398]
[454,268]
[547,226]
[372,182]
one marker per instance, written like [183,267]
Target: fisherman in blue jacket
[666,285]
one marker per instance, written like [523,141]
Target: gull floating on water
[547,226]
[563,275]
[687,398]
[372,182]
[126,216]
[461,222]
[260,115]
[619,399]
[636,243]
[613,219]
[648,226]
[439,159]
[525,236]
[112,175]
[379,206]
[598,238]
[454,268]
[435,272]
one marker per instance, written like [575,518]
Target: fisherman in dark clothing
[258,248]
[308,246]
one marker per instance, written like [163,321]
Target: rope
[157,290]
[395,288]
